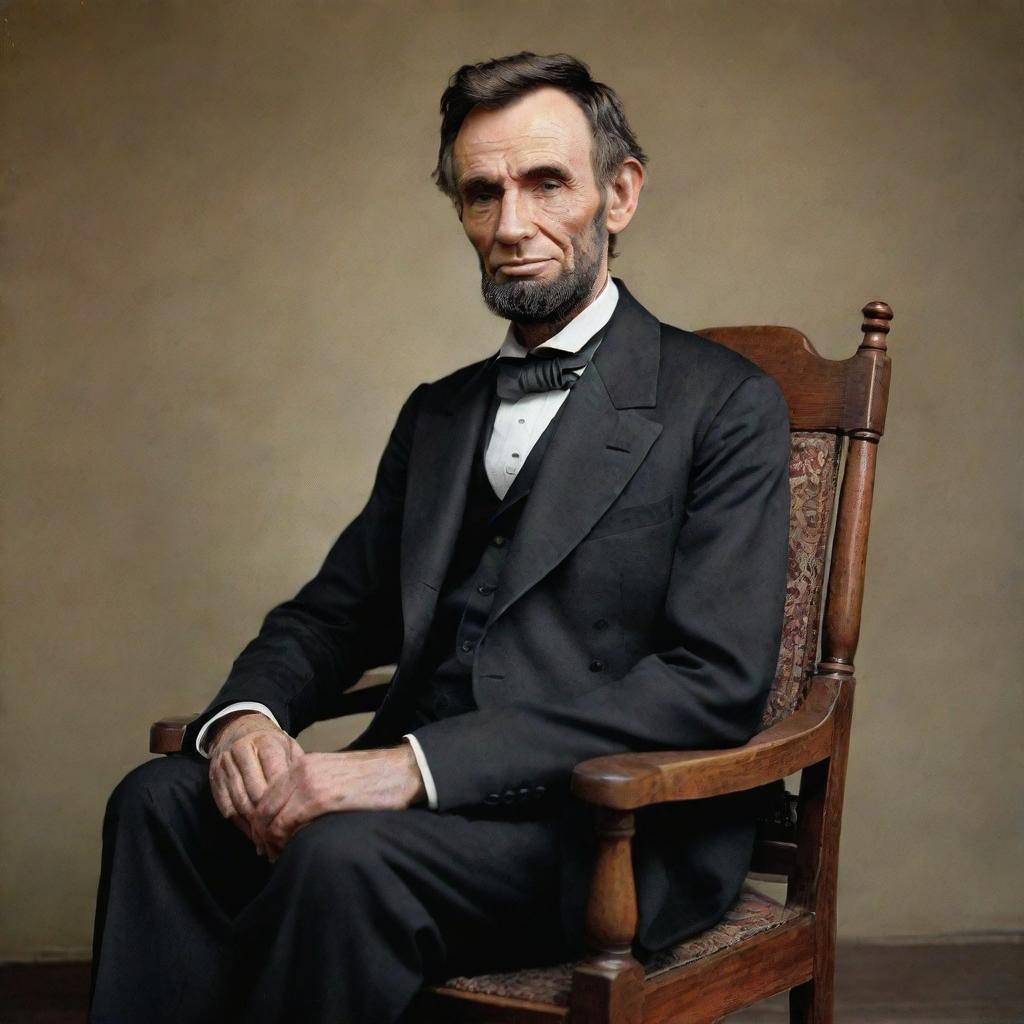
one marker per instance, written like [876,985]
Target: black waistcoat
[444,684]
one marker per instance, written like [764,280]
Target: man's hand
[316,784]
[247,754]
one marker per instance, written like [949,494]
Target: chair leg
[811,1002]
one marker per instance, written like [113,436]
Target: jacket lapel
[600,443]
[437,486]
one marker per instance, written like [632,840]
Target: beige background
[223,266]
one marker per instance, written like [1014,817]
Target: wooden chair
[763,946]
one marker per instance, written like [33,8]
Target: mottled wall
[223,266]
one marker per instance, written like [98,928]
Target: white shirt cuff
[421,762]
[245,705]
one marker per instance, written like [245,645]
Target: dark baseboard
[44,993]
[955,980]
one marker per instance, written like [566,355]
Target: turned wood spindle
[841,627]
[611,910]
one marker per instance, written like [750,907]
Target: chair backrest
[831,402]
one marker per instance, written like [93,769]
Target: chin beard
[550,302]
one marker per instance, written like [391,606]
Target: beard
[550,302]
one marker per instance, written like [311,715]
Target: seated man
[573,548]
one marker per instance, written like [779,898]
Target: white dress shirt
[517,425]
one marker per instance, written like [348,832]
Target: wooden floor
[947,983]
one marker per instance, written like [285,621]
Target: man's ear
[623,195]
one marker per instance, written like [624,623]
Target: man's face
[531,206]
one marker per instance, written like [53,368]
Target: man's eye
[550,186]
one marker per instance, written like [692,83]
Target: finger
[244,812]
[246,760]
[277,794]
[225,804]
[219,789]
[273,758]
[275,797]
[236,787]
[285,822]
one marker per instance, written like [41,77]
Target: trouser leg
[361,909]
[173,875]
[364,907]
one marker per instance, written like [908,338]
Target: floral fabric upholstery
[752,913]
[813,472]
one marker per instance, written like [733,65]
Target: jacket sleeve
[345,620]
[707,686]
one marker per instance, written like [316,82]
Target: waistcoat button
[596,665]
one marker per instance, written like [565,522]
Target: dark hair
[496,83]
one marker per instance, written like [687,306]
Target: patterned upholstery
[751,914]
[813,472]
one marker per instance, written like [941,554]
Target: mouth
[523,267]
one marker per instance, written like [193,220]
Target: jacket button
[486,589]
[539,790]
[596,665]
[491,799]
[601,624]
[467,645]
[524,793]
[508,796]
[498,540]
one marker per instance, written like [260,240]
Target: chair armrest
[626,782]
[165,736]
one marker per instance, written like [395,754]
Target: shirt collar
[577,332]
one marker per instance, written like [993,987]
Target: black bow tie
[543,369]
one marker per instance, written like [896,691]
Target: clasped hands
[263,781]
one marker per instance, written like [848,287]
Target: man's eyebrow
[479,183]
[547,171]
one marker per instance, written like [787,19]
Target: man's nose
[513,221]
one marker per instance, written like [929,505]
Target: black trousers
[361,909]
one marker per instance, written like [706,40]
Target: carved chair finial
[877,315]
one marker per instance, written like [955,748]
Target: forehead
[543,127]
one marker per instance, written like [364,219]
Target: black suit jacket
[640,607]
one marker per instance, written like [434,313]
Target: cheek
[562,222]
[478,232]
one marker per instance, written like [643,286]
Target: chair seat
[753,912]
